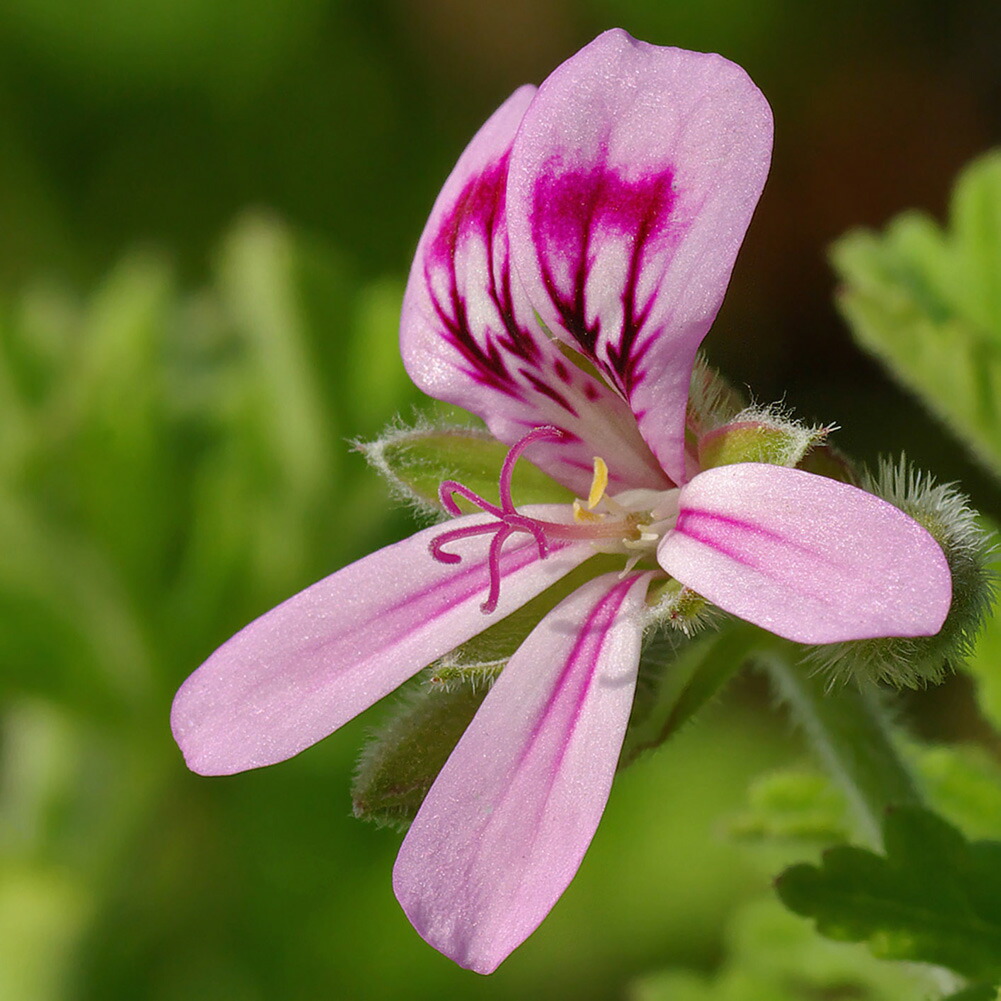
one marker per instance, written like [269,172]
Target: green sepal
[677,677]
[405,754]
[934,897]
[758,437]
[415,461]
[673,604]
[403,758]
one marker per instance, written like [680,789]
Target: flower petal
[300,671]
[809,558]
[469,336]
[633,178]
[506,824]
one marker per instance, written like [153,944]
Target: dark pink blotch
[574,210]
[478,215]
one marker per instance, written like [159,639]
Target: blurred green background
[207,211]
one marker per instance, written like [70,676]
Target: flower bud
[758,435]
[913,662]
[671,603]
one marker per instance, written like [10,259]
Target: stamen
[599,484]
[633,522]
[581,514]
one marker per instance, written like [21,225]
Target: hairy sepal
[759,435]
[415,461]
[404,755]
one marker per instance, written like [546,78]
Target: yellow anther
[598,484]
[582,515]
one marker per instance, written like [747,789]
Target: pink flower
[571,266]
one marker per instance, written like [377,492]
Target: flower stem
[850,734]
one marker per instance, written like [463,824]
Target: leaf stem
[850,734]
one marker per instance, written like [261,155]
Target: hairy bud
[913,662]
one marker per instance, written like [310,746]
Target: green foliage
[963,784]
[169,467]
[935,897]
[927,302]
[978,992]
[774,956]
[795,805]
[798,808]
[172,463]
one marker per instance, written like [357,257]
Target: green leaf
[108,407]
[927,303]
[44,909]
[68,629]
[678,676]
[266,494]
[798,805]
[934,897]
[258,283]
[774,956]
[963,784]
[978,992]
[416,461]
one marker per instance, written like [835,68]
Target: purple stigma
[508,520]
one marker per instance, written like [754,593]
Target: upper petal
[809,558]
[506,824]
[308,666]
[469,337]
[633,178]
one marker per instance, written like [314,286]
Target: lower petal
[806,557]
[506,824]
[300,671]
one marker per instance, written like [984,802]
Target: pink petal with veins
[470,337]
[808,558]
[300,671]
[633,179]
[506,824]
